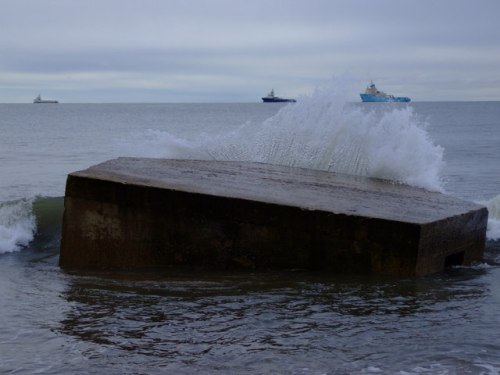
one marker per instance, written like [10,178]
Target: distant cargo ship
[372,94]
[39,99]
[270,98]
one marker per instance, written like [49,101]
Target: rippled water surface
[174,321]
[185,321]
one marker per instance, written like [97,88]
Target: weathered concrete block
[135,212]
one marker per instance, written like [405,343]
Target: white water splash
[17,225]
[323,131]
[493,206]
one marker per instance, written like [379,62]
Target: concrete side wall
[108,224]
[458,240]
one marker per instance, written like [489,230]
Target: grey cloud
[294,42]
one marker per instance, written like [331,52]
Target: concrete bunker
[139,212]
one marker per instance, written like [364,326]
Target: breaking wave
[322,131]
[17,225]
[493,206]
[25,220]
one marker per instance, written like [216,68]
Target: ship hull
[367,98]
[277,100]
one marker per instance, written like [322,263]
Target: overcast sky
[236,51]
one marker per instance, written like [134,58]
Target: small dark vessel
[270,98]
[39,100]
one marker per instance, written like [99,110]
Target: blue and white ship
[372,94]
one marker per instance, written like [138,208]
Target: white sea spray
[321,131]
[17,225]
[493,206]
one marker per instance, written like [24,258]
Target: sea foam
[17,225]
[493,206]
[322,131]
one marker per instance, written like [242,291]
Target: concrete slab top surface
[274,184]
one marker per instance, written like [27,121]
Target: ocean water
[165,322]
